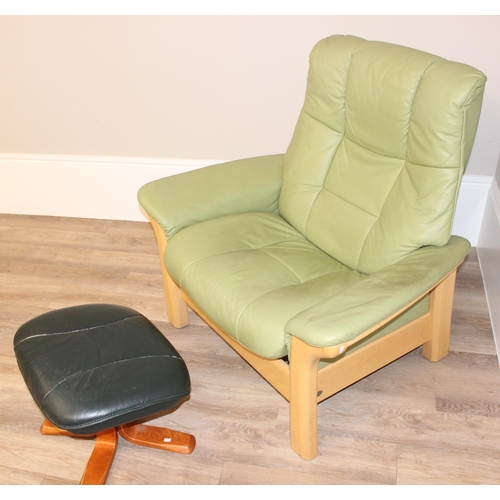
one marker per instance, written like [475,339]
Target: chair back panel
[374,166]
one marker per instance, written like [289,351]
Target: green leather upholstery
[351,224]
[250,185]
[251,273]
[342,317]
[379,150]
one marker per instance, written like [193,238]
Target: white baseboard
[90,187]
[470,206]
[106,187]
[488,251]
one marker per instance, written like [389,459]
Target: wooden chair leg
[177,310]
[303,399]
[441,305]
[158,437]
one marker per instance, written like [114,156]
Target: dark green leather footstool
[96,370]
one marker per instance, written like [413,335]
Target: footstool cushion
[98,366]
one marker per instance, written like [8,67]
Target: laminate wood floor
[412,422]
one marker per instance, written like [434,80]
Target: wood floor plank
[138,465]
[461,388]
[471,326]
[10,476]
[26,450]
[354,462]
[113,239]
[62,223]
[437,466]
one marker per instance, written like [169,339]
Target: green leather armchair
[326,263]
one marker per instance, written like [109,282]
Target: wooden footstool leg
[158,437]
[101,459]
[49,429]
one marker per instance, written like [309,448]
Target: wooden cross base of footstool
[99,464]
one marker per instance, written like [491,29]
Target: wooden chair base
[101,459]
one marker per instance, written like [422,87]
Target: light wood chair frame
[99,464]
[299,381]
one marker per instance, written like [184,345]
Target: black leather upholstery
[96,366]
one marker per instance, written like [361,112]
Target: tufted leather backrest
[374,166]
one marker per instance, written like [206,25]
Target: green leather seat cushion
[251,273]
[281,273]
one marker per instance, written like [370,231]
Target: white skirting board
[488,251]
[92,187]
[470,206]
[97,187]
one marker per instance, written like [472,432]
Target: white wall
[497,174]
[196,87]
[488,250]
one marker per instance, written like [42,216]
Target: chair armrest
[249,185]
[353,313]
